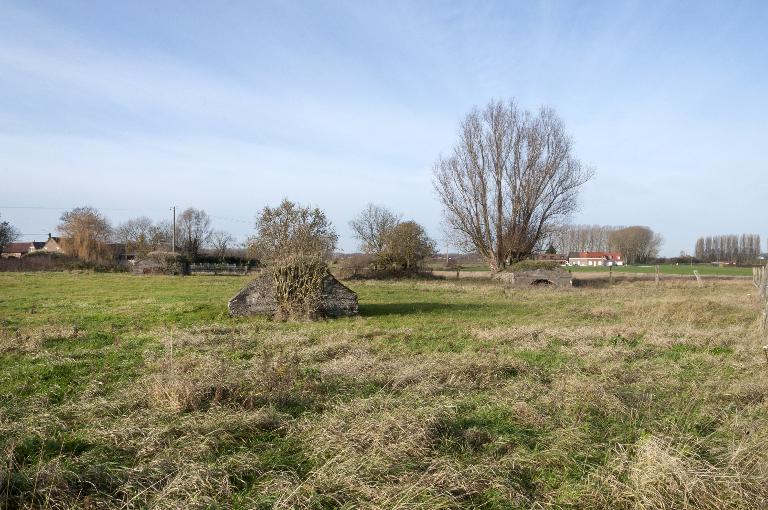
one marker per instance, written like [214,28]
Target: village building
[595,258]
[17,250]
[53,244]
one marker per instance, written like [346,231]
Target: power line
[43,208]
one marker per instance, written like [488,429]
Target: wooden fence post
[657,276]
[764,282]
[760,279]
[698,277]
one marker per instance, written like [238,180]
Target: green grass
[118,391]
[668,269]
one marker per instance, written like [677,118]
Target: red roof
[17,247]
[608,255]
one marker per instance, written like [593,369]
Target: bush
[357,263]
[298,287]
[162,262]
[47,261]
[389,273]
[229,259]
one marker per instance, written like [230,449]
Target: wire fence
[218,269]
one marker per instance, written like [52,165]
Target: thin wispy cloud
[233,107]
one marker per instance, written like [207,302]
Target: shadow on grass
[380,309]
[591,283]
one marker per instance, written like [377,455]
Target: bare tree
[730,247]
[371,226]
[407,245]
[637,244]
[575,238]
[194,227]
[85,233]
[141,235]
[8,234]
[292,230]
[512,178]
[221,242]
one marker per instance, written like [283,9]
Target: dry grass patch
[194,382]
[383,452]
[659,473]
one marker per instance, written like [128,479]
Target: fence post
[763,293]
[657,276]
[764,283]
[698,277]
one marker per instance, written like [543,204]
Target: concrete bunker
[258,298]
[551,277]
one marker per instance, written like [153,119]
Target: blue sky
[228,106]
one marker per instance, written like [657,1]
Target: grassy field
[119,391]
[667,269]
[671,269]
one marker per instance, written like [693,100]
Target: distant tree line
[88,235]
[574,238]
[637,244]
[730,248]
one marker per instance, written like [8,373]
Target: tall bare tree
[636,244]
[194,227]
[85,233]
[371,226]
[8,234]
[512,178]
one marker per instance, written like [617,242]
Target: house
[595,258]
[16,250]
[53,244]
[552,257]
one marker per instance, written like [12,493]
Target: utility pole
[173,233]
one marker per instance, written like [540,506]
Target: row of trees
[292,230]
[289,229]
[572,238]
[731,248]
[637,244]
[87,234]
